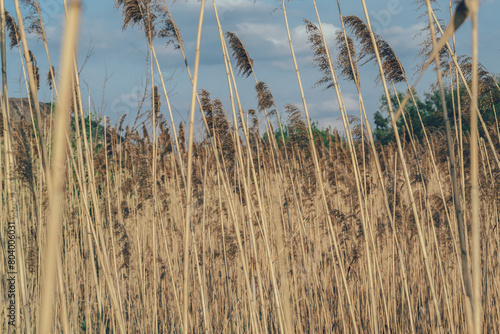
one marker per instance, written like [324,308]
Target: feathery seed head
[36,73]
[50,78]
[347,61]
[265,98]
[244,63]
[170,31]
[13,28]
[393,70]
[320,57]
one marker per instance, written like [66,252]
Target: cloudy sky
[117,68]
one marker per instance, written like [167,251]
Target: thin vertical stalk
[12,205]
[155,187]
[357,173]
[246,182]
[379,173]
[36,5]
[473,6]
[240,164]
[33,89]
[190,171]
[456,194]
[430,276]
[56,186]
[318,171]
[466,85]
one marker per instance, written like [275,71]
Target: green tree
[430,111]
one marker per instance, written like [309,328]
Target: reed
[139,227]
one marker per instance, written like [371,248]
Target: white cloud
[53,32]
[125,103]
[333,122]
[225,8]
[299,36]
[229,5]
[162,50]
[273,34]
[285,65]
[274,40]
[351,104]
[404,37]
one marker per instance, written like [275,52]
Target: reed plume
[1,126]
[359,131]
[486,79]
[207,108]
[132,11]
[265,98]
[35,24]
[13,30]
[182,137]
[50,78]
[141,13]
[362,33]
[24,166]
[32,19]
[223,130]
[320,57]
[156,102]
[485,82]
[426,47]
[218,125]
[244,63]
[297,127]
[393,69]
[123,241]
[347,52]
[169,31]
[36,71]
[165,140]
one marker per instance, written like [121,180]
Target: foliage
[322,133]
[430,111]
[93,127]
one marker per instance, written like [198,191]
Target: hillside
[19,107]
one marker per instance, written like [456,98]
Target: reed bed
[263,226]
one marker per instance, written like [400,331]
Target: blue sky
[121,56]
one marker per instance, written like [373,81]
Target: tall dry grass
[125,229]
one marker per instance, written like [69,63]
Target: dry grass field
[115,228]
